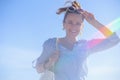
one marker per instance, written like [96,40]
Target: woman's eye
[78,24]
[70,22]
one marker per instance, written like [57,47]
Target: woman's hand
[52,60]
[40,68]
[89,17]
[54,57]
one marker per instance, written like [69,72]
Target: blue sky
[26,24]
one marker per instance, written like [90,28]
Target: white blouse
[71,64]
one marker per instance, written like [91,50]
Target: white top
[71,64]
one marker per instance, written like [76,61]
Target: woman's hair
[74,8]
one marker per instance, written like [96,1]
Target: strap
[57,40]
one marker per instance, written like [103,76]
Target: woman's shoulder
[50,41]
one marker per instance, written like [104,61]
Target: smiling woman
[68,61]
[26,24]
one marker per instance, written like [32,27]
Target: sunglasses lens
[71,8]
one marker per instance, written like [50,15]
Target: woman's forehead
[72,16]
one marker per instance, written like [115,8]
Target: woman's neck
[70,40]
[67,42]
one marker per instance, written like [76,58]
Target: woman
[70,57]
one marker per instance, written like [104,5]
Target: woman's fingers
[88,16]
[55,56]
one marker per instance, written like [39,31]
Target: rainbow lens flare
[115,25]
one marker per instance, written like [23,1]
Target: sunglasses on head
[74,10]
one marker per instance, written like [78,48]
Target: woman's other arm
[96,45]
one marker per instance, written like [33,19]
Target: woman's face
[73,24]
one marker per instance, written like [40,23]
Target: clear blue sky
[26,24]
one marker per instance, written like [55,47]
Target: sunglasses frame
[74,10]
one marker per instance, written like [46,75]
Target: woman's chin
[74,35]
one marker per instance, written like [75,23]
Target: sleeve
[97,45]
[48,49]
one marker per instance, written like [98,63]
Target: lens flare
[115,25]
